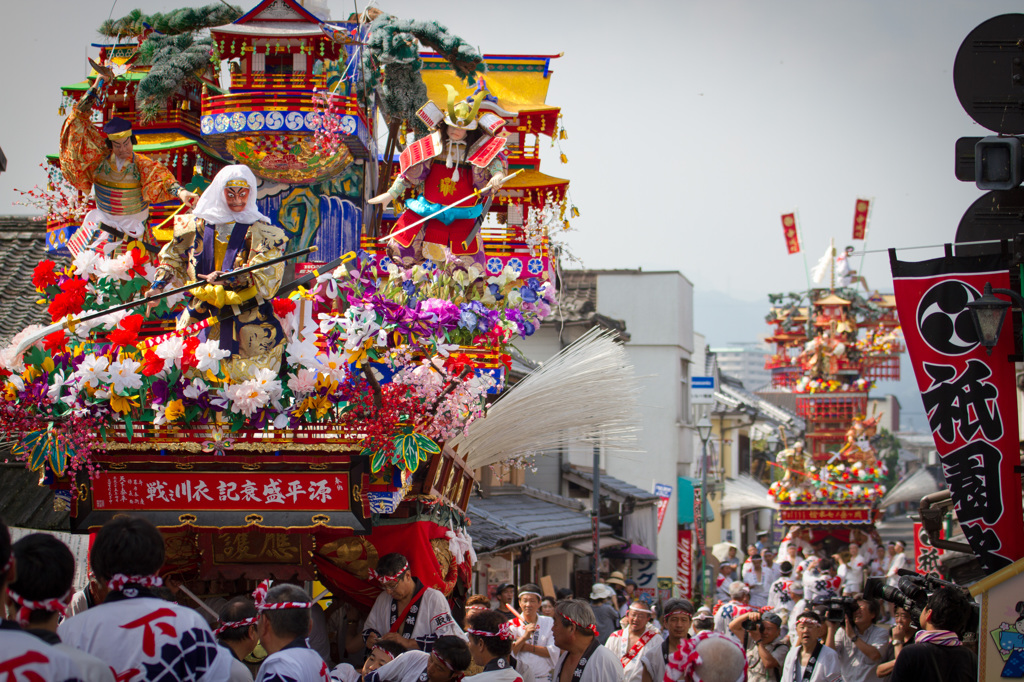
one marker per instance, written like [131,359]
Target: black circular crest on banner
[943,319]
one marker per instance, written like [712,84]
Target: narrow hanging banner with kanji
[970,397]
[789,231]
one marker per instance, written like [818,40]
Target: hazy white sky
[693,124]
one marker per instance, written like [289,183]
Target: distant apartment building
[745,361]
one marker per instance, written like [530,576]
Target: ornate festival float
[831,346]
[290,399]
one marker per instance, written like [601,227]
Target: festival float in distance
[278,342]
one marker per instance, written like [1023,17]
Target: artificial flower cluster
[809,385]
[857,472]
[406,360]
[828,494]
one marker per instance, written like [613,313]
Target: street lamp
[704,433]
[989,313]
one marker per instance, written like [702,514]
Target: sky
[693,125]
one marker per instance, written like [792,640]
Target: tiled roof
[616,487]
[22,246]
[24,503]
[513,515]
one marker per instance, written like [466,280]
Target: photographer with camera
[761,634]
[937,654]
[859,642]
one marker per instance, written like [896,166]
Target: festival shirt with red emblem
[598,665]
[145,638]
[26,658]
[631,657]
[426,619]
[726,614]
[542,666]
[296,662]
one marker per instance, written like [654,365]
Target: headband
[119,580]
[682,664]
[679,610]
[591,628]
[237,182]
[383,651]
[123,135]
[27,606]
[260,597]
[504,632]
[538,594]
[639,610]
[385,579]
[476,607]
[456,674]
[808,619]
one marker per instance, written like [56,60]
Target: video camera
[837,609]
[912,591]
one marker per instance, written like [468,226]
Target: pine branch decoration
[174,59]
[184,20]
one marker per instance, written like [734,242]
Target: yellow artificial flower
[123,403]
[325,381]
[175,410]
[48,364]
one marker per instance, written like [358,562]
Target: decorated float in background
[831,346]
[343,452]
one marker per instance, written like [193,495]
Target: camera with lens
[753,625]
[911,593]
[837,609]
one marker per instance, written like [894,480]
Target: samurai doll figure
[465,155]
[124,183]
[225,232]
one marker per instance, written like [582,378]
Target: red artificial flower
[188,355]
[139,260]
[43,275]
[54,343]
[64,304]
[127,333]
[152,364]
[283,306]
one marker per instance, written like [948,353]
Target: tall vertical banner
[926,557]
[664,493]
[684,563]
[860,218]
[969,396]
[789,231]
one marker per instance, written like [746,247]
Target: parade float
[325,435]
[831,346]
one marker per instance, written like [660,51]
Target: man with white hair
[583,658]
[708,657]
[630,644]
[225,232]
[738,604]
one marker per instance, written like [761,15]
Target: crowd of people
[126,625]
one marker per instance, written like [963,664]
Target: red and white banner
[684,562]
[664,493]
[812,515]
[161,491]
[790,232]
[860,218]
[926,557]
[970,397]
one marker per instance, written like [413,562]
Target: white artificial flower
[85,262]
[171,350]
[302,353]
[57,387]
[93,371]
[209,355]
[268,381]
[246,397]
[328,323]
[116,267]
[124,375]
[333,365]
[303,382]
[195,389]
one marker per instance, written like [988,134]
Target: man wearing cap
[677,619]
[738,604]
[461,157]
[505,594]
[582,657]
[125,183]
[606,617]
[632,642]
[406,611]
[766,646]
[533,643]
[810,660]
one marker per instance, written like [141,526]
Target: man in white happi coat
[284,623]
[447,662]
[238,634]
[633,641]
[406,611]
[678,618]
[490,644]
[156,640]
[533,643]
[45,576]
[23,656]
[582,657]
[382,653]
[738,604]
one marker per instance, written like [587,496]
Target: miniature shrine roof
[22,240]
[520,82]
[277,11]
[884,300]
[531,179]
[832,299]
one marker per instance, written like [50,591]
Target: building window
[280,64]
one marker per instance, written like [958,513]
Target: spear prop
[476,193]
[196,327]
[70,320]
